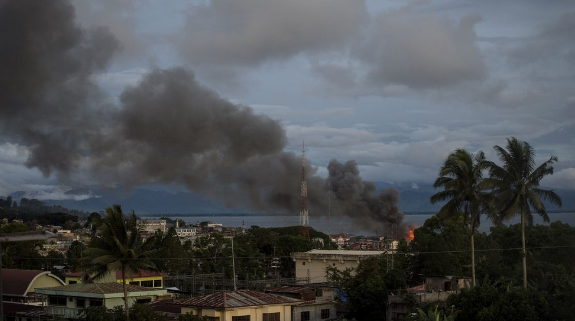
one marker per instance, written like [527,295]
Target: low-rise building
[20,285]
[319,301]
[151,226]
[186,232]
[68,300]
[148,279]
[241,305]
[313,264]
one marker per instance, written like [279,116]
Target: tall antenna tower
[303,215]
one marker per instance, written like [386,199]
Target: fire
[410,235]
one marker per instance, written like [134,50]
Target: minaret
[303,214]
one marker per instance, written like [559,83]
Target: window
[157,283]
[57,300]
[303,263]
[318,292]
[305,316]
[135,283]
[80,303]
[241,318]
[325,313]
[147,284]
[72,282]
[143,300]
[96,303]
[271,316]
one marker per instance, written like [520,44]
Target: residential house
[148,279]
[241,305]
[313,264]
[66,301]
[318,301]
[20,285]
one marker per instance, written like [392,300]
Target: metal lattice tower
[303,214]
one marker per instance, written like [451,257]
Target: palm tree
[460,177]
[515,187]
[118,248]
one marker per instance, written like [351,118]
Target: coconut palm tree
[461,178]
[118,248]
[515,187]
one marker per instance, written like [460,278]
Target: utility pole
[234,265]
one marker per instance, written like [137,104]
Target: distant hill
[414,199]
[144,201]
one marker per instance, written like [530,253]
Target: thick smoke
[166,129]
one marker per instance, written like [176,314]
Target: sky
[216,97]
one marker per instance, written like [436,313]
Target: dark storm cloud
[167,129]
[421,50]
[554,40]
[251,32]
[48,99]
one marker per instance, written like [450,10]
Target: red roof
[17,282]
[141,274]
[235,299]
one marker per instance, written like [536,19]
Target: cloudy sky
[216,95]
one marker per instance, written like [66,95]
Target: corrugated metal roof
[99,288]
[140,274]
[236,299]
[17,282]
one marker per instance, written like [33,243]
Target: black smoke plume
[166,129]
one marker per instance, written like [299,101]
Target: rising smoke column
[167,128]
[360,200]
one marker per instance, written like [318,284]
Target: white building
[313,263]
[152,226]
[186,232]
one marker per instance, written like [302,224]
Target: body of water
[336,224]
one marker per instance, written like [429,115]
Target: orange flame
[410,236]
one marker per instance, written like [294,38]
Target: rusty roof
[17,282]
[236,299]
[97,288]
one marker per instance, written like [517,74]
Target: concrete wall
[255,313]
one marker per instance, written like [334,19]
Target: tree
[515,187]
[118,248]
[461,178]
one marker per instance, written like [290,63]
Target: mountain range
[414,199]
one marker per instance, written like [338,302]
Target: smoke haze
[168,128]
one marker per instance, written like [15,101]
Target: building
[318,301]
[241,305]
[186,232]
[151,226]
[20,285]
[66,301]
[313,263]
[435,289]
[149,279]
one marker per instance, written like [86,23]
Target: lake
[337,224]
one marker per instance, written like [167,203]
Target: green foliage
[140,312]
[118,248]
[191,317]
[367,289]
[489,301]
[431,315]
[20,255]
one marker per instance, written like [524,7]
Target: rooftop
[236,299]
[100,290]
[17,282]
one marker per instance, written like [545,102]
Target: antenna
[329,216]
[303,214]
